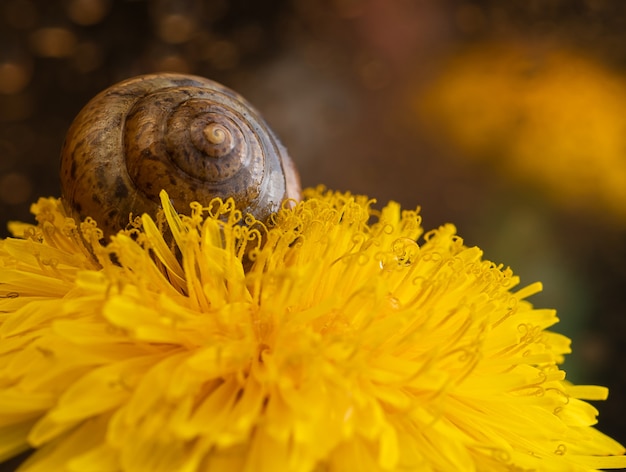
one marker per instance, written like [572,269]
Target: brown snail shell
[193,137]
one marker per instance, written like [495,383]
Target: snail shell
[186,134]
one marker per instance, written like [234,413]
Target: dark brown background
[338,81]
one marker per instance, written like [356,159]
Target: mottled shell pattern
[191,136]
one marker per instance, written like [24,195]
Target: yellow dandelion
[551,118]
[335,337]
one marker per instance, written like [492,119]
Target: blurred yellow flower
[548,117]
[335,338]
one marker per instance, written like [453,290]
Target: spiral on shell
[188,135]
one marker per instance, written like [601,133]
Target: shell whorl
[186,134]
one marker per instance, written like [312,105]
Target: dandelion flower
[334,337]
[553,119]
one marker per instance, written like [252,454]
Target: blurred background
[505,118]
